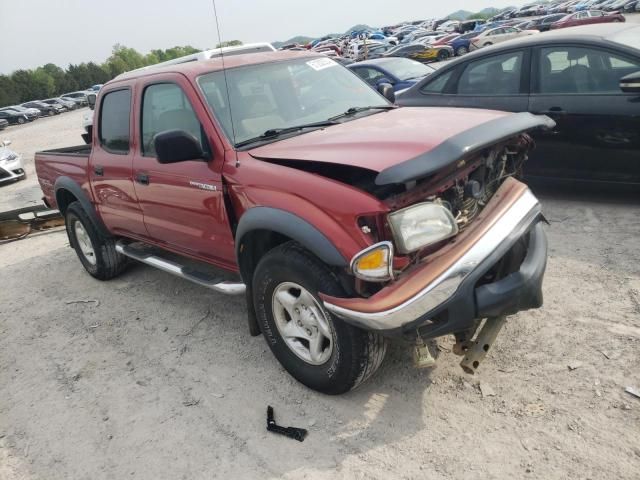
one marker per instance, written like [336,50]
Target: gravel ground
[150,377]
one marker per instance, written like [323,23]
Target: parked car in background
[31,113]
[401,73]
[587,17]
[587,79]
[11,166]
[3,124]
[78,97]
[66,104]
[461,44]
[469,25]
[498,35]
[96,87]
[421,53]
[13,117]
[45,108]
[543,24]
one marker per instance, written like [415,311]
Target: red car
[587,17]
[344,219]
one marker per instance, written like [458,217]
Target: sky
[36,32]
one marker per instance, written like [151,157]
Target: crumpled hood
[380,140]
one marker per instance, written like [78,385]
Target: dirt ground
[147,376]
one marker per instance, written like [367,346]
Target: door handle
[142,178]
[555,111]
[98,170]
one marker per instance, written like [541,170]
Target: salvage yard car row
[34,109]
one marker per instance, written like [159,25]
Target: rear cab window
[114,122]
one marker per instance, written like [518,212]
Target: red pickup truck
[344,219]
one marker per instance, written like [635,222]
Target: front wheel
[316,348]
[443,55]
[21,120]
[461,51]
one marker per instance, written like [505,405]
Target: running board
[195,276]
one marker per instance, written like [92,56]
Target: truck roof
[196,68]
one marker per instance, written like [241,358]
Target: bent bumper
[445,293]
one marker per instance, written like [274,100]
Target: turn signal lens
[374,264]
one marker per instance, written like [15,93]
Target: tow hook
[475,350]
[422,357]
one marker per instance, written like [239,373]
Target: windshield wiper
[276,132]
[354,110]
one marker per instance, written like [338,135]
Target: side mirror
[91,100]
[630,83]
[386,90]
[6,143]
[174,146]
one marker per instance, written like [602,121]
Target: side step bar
[201,278]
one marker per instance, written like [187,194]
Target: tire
[462,51]
[443,55]
[51,113]
[488,44]
[21,121]
[104,263]
[349,356]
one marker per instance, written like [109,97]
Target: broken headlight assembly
[420,225]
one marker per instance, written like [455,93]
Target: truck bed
[78,150]
[68,163]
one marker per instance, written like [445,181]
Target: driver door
[182,203]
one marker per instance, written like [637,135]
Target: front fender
[292,226]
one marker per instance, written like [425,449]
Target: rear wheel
[461,51]
[51,113]
[488,44]
[21,120]
[96,252]
[316,348]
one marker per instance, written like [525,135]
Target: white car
[498,35]
[11,167]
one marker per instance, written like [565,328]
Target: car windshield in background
[406,69]
[281,95]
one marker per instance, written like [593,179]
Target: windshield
[406,69]
[284,94]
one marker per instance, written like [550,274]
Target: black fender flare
[66,183]
[292,226]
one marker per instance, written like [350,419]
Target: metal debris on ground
[574,365]
[291,432]
[633,391]
[17,224]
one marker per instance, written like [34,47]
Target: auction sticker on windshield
[321,63]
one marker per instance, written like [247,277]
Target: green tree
[229,43]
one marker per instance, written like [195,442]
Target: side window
[114,121]
[578,70]
[437,85]
[166,107]
[369,75]
[497,75]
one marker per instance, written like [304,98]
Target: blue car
[460,44]
[401,73]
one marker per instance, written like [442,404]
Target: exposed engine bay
[467,187]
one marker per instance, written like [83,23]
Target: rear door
[110,165]
[598,126]
[498,82]
[182,203]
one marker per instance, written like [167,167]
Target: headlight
[374,264]
[420,225]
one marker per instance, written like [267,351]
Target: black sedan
[13,117]
[586,78]
[45,108]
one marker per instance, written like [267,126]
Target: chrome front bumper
[506,230]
